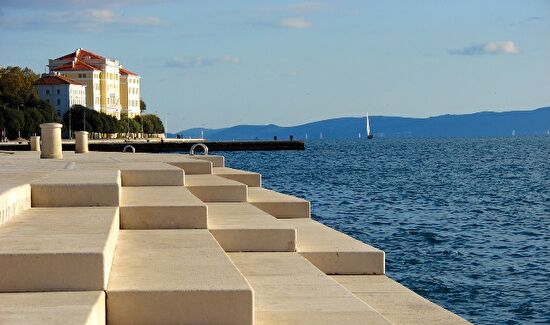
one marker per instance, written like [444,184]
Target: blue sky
[221,63]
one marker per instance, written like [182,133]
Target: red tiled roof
[124,71]
[80,54]
[55,80]
[78,66]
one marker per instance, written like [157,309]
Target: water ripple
[464,222]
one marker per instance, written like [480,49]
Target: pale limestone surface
[52,249]
[14,199]
[35,143]
[396,302]
[161,207]
[249,178]
[191,166]
[175,276]
[241,227]
[217,161]
[151,174]
[81,142]
[157,272]
[278,204]
[53,308]
[71,188]
[51,141]
[290,290]
[334,252]
[212,188]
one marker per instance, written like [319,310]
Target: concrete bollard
[35,143]
[81,142]
[51,141]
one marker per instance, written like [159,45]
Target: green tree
[142,105]
[21,109]
[152,124]
[16,85]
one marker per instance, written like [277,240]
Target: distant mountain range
[521,123]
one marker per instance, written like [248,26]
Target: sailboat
[369,132]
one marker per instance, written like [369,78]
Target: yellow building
[110,88]
[129,93]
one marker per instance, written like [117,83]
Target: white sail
[368,125]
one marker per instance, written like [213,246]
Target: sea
[464,222]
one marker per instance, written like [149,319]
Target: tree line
[22,111]
[80,118]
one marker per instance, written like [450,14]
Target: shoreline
[242,229]
[169,145]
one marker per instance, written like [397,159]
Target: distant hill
[533,122]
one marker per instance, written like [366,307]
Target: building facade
[129,93]
[61,92]
[110,88]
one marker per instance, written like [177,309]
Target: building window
[58,91]
[47,91]
[58,102]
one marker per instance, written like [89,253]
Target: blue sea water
[463,222]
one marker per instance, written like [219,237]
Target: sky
[220,63]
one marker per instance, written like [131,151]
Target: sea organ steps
[269,307]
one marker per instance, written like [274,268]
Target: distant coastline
[481,124]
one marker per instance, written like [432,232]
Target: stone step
[334,252]
[72,188]
[289,290]
[161,207]
[38,308]
[217,161]
[249,178]
[213,188]
[151,174]
[193,166]
[52,249]
[14,199]
[175,277]
[241,227]
[277,204]
[190,166]
[395,302]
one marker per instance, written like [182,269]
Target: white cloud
[493,48]
[102,15]
[88,20]
[26,4]
[200,61]
[298,23]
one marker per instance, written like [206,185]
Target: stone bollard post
[35,143]
[81,142]
[51,141]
